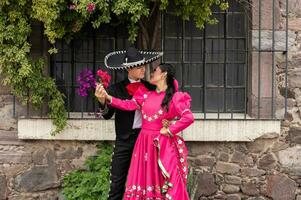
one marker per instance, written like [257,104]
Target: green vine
[199,11]
[61,20]
[23,74]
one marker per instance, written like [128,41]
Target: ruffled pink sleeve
[130,104]
[181,107]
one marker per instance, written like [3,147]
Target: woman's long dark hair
[165,67]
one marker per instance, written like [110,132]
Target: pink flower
[90,7]
[72,7]
[105,78]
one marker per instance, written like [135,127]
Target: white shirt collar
[133,81]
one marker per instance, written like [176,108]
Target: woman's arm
[107,111]
[180,106]
[185,120]
[129,105]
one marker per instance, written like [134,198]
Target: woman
[159,162]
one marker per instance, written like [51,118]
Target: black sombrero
[130,58]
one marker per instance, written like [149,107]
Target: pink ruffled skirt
[158,168]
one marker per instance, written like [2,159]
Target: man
[127,123]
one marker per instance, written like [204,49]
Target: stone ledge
[201,130]
[10,138]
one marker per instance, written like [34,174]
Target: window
[211,63]
[87,50]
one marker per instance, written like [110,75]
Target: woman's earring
[165,75]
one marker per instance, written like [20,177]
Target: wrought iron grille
[223,66]
[212,64]
[86,52]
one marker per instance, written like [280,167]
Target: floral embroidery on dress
[183,161]
[149,188]
[151,192]
[153,117]
[168,196]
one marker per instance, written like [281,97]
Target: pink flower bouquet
[87,81]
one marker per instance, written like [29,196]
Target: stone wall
[34,169]
[268,168]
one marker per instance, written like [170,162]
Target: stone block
[295,135]
[294,78]
[38,178]
[227,168]
[290,159]
[15,157]
[206,184]
[280,187]
[252,172]
[256,198]
[235,180]
[294,24]
[9,138]
[200,148]
[266,42]
[250,189]
[223,157]
[258,146]
[233,197]
[241,158]
[3,187]
[267,161]
[230,189]
[70,153]
[207,161]
[43,156]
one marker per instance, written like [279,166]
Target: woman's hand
[164,131]
[165,123]
[101,94]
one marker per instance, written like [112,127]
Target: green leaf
[92,183]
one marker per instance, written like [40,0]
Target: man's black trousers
[121,160]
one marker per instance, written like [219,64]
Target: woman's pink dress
[159,166]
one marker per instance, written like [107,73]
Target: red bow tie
[133,87]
